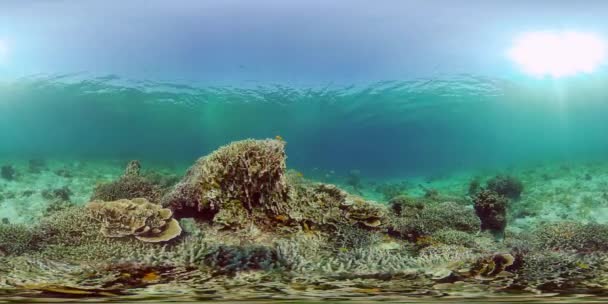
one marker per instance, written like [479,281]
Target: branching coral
[571,236]
[347,237]
[557,270]
[232,259]
[138,217]
[432,218]
[17,239]
[326,205]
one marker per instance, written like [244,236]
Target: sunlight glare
[558,54]
[3,51]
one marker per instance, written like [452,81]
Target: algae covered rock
[138,217]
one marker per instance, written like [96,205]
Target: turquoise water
[383,129]
[301,152]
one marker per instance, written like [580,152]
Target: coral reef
[418,223]
[132,170]
[16,239]
[137,217]
[129,186]
[571,236]
[232,259]
[250,225]
[491,208]
[403,204]
[250,171]
[507,186]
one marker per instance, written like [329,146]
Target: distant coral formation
[130,185]
[505,185]
[8,172]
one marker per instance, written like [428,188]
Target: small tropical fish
[150,277]
[279,137]
[282,218]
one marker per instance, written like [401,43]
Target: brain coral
[138,217]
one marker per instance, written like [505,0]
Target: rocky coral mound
[491,208]
[129,186]
[249,173]
[245,183]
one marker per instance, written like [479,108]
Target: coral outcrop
[138,217]
[250,171]
[491,208]
[129,186]
[245,184]
[507,186]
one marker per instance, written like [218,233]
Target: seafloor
[240,226]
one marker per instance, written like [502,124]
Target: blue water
[383,129]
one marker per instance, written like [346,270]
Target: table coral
[138,217]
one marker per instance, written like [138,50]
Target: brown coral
[129,186]
[250,171]
[245,183]
[491,208]
[138,217]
